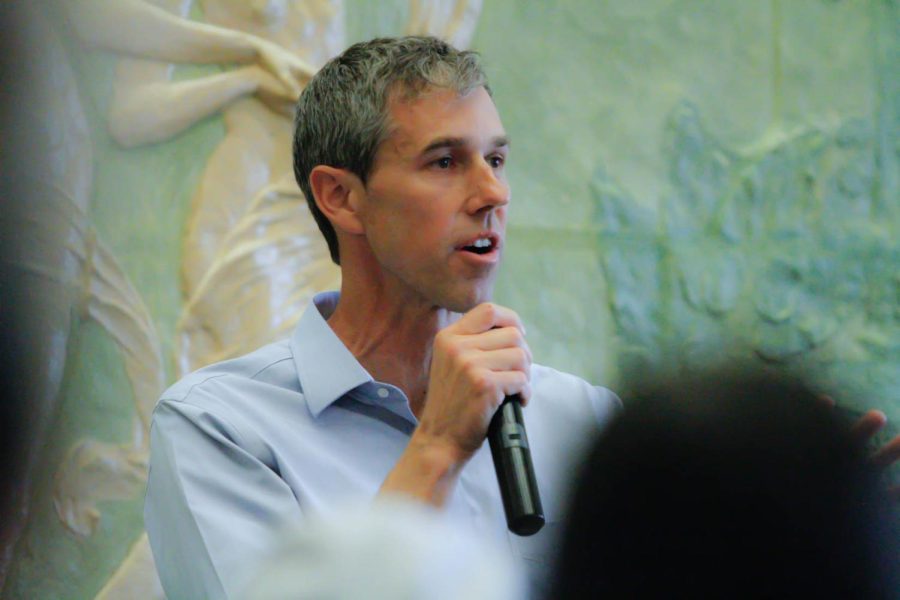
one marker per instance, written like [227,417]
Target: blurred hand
[887,455]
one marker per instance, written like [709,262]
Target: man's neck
[390,336]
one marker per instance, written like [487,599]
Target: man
[388,387]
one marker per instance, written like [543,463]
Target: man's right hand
[476,362]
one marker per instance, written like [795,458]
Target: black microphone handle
[515,472]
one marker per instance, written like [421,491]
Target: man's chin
[466,301]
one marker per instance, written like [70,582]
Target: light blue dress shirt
[241,448]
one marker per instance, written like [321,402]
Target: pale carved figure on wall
[248,243]
[71,269]
[248,178]
[253,255]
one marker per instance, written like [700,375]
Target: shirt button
[383,393]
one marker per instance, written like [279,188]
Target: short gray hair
[342,114]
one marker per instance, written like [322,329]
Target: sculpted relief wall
[690,183]
[723,180]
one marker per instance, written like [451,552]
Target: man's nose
[489,189]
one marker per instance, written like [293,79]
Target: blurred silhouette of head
[723,486]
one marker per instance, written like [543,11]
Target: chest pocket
[541,547]
[544,546]
[552,469]
[537,555]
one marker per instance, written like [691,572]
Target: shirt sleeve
[213,502]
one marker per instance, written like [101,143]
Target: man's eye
[445,162]
[496,161]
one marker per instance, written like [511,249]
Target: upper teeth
[482,243]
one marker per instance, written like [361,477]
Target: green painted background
[692,180]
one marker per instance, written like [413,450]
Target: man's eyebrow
[444,142]
[456,142]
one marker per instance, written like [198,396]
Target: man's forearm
[426,471]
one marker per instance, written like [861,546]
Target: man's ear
[338,193]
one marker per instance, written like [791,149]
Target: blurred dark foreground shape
[729,486]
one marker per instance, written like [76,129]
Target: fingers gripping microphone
[515,472]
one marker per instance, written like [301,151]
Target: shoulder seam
[237,430]
[268,366]
[183,397]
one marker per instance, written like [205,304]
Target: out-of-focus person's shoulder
[391,548]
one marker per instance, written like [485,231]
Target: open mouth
[480,246]
[485,243]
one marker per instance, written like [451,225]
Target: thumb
[487,316]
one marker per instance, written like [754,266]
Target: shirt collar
[327,370]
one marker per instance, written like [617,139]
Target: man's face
[435,207]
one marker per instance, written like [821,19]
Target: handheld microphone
[515,472]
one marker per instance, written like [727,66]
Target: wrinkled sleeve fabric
[214,501]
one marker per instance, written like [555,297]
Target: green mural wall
[692,181]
